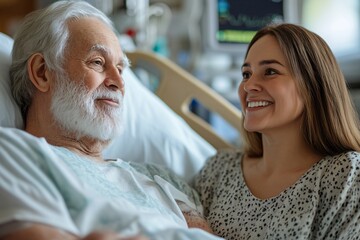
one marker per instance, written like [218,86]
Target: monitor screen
[229,25]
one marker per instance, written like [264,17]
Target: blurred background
[208,37]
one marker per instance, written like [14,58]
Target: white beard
[74,109]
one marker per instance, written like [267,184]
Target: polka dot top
[323,204]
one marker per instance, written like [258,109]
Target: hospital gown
[52,185]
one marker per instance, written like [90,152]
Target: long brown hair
[330,124]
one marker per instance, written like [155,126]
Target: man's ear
[38,73]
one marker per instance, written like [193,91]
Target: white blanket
[51,185]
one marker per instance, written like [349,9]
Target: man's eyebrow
[264,62]
[124,61]
[100,48]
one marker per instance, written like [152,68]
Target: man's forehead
[87,35]
[86,32]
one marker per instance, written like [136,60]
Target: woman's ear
[38,73]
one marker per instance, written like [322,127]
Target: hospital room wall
[338,22]
[11,13]
[220,70]
[174,28]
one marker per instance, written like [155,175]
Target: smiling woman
[302,144]
[267,79]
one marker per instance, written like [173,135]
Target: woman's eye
[270,71]
[246,75]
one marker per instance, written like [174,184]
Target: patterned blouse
[323,204]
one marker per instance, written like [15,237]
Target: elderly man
[54,183]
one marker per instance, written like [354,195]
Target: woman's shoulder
[340,170]
[347,160]
[338,194]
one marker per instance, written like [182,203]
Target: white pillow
[10,115]
[153,132]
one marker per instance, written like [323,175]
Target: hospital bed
[159,129]
[178,88]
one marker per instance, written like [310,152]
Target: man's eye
[98,62]
[120,69]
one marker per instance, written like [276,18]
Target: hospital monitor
[229,25]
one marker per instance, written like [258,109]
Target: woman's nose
[251,84]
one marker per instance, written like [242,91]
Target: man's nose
[114,80]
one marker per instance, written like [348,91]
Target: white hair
[45,31]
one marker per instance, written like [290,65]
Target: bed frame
[177,88]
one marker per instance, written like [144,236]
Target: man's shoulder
[16,134]
[19,144]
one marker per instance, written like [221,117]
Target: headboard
[177,88]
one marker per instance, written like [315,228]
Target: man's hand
[111,236]
[34,231]
[197,221]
